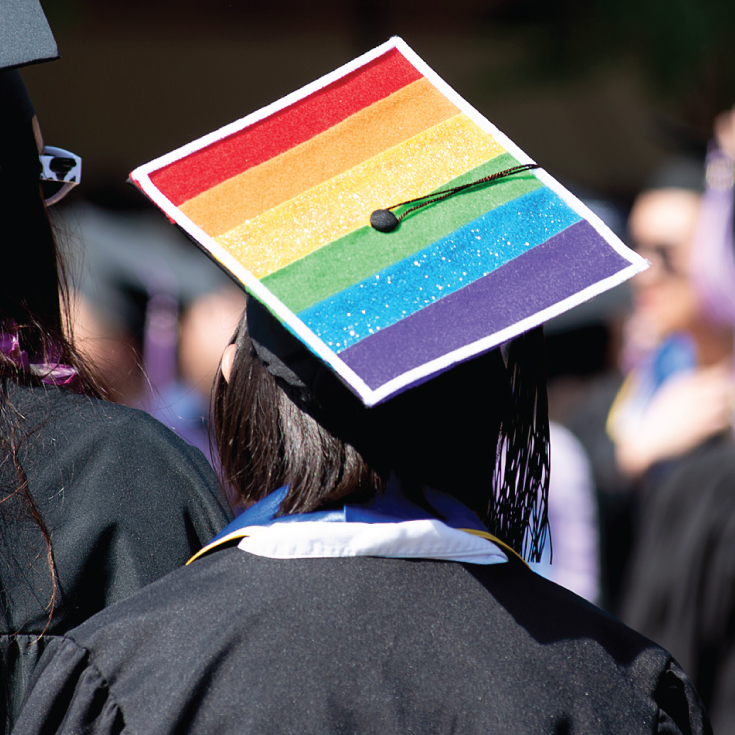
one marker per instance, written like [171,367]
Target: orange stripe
[386,123]
[299,121]
[343,203]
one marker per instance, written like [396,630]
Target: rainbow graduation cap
[282,200]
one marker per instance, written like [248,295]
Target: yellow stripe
[622,397]
[338,206]
[495,540]
[361,136]
[226,539]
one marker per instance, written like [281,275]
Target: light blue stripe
[449,264]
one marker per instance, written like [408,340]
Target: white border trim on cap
[141,177]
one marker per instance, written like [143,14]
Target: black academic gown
[235,644]
[124,500]
[681,588]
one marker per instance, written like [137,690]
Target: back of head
[29,298]
[398,266]
[445,434]
[31,286]
[34,291]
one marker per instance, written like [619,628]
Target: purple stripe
[551,272]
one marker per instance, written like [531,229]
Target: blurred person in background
[676,356]
[681,587]
[96,500]
[204,331]
[678,393]
[151,313]
[574,518]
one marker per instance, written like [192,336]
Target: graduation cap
[25,38]
[480,245]
[25,35]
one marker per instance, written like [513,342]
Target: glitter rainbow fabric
[282,199]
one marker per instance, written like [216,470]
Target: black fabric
[15,104]
[681,591]
[236,643]
[306,380]
[125,502]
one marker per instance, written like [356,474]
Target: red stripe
[200,171]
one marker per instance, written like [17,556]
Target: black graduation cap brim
[25,35]
[25,38]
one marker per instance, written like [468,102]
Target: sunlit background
[599,92]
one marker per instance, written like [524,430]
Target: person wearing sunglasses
[678,590]
[679,392]
[96,499]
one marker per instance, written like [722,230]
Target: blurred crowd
[151,312]
[656,431]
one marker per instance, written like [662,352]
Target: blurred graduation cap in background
[25,35]
[282,199]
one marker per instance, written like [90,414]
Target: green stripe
[357,256]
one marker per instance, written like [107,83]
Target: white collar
[418,539]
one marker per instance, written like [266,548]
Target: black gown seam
[90,664]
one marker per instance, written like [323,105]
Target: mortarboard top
[282,199]
[25,35]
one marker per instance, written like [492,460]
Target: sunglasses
[665,256]
[61,171]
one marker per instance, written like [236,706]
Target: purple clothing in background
[713,252]
[573,519]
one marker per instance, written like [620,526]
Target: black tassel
[520,508]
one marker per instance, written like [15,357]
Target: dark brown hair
[264,442]
[445,434]
[31,298]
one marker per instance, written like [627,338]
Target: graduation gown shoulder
[124,500]
[236,643]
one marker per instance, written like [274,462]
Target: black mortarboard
[25,35]
[25,38]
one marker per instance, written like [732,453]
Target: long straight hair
[478,432]
[34,303]
[265,441]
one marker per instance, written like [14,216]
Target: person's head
[662,225]
[442,434]
[33,293]
[405,263]
[29,256]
